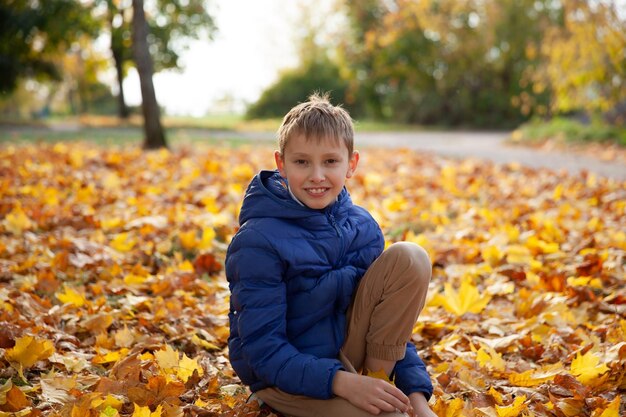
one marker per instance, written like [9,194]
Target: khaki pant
[388,301]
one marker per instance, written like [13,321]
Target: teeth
[316,190]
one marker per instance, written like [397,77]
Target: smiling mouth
[316,191]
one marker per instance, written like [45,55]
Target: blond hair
[317,119]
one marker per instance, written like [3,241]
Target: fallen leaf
[513,410]
[72,297]
[27,351]
[466,300]
[586,369]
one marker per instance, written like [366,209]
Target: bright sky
[254,40]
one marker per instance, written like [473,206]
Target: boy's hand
[370,394]
[420,405]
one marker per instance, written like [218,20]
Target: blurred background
[478,64]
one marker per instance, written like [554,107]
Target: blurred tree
[33,32]
[170,22]
[583,61]
[316,71]
[455,62]
[80,67]
[357,61]
[154,134]
[296,85]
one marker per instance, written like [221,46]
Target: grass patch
[228,122]
[232,130]
[568,130]
[126,135]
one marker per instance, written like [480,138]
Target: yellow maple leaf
[186,266]
[71,296]
[27,351]
[50,196]
[200,403]
[558,192]
[242,172]
[397,203]
[123,242]
[585,367]
[186,367]
[585,281]
[110,223]
[16,221]
[208,234]
[467,300]
[145,411]
[537,245]
[452,408]
[135,279]
[492,255]
[188,240]
[489,357]
[612,410]
[514,409]
[109,357]
[497,397]
[534,377]
[101,403]
[198,341]
[518,254]
[167,358]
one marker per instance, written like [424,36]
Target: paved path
[492,146]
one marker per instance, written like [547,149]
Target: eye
[332,161]
[300,162]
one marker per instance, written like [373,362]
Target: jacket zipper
[333,223]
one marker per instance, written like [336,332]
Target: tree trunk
[122,108]
[118,59]
[154,135]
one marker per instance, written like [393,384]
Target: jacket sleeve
[259,298]
[411,375]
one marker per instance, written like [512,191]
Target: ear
[352,164]
[280,163]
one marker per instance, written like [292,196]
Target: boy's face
[316,170]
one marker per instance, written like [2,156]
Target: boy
[315,302]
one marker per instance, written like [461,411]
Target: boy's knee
[416,259]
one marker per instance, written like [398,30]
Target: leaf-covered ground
[113,299]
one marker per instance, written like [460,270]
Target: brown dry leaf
[157,390]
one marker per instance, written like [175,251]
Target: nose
[317,175]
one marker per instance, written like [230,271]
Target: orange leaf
[15,400]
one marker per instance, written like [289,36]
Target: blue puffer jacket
[292,272]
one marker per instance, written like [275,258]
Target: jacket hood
[268,196]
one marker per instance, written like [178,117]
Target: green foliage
[572,130]
[33,33]
[296,86]
[453,63]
